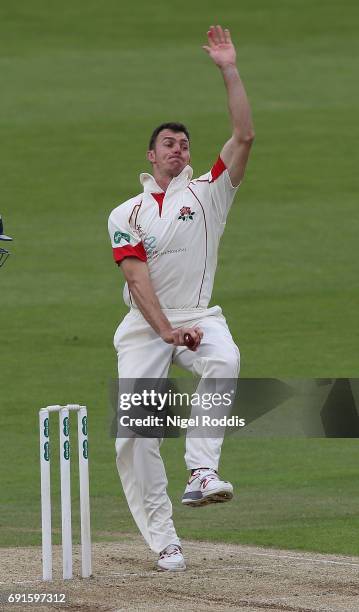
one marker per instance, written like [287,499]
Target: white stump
[84,492]
[44,423]
[64,426]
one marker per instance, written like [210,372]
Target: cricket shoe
[171,559]
[205,487]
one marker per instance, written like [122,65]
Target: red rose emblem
[186,213]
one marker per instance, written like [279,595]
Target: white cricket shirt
[177,233]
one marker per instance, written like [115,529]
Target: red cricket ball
[189,340]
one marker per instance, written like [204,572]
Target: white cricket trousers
[143,354]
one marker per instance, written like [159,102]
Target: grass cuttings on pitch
[84,86]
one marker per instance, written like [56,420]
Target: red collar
[159,197]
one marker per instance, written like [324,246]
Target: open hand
[220,47]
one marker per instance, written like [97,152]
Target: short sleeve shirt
[177,233]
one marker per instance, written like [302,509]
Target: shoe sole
[213,498]
[171,569]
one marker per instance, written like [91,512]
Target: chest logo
[118,236]
[186,213]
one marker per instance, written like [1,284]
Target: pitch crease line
[198,571]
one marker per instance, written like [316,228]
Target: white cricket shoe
[205,487]
[171,559]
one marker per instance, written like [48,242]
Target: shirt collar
[178,182]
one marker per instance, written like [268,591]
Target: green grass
[84,84]
[298,494]
[295,494]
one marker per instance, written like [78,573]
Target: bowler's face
[171,153]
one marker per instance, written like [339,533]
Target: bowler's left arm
[236,150]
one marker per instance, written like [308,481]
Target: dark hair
[175,127]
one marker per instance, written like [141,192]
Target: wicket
[64,428]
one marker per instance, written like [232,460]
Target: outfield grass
[296,494]
[85,85]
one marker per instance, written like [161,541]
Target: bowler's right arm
[139,283]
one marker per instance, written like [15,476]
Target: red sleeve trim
[119,253]
[218,168]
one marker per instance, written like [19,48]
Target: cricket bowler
[165,240]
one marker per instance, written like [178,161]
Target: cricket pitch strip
[218,577]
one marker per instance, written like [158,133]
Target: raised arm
[236,150]
[140,285]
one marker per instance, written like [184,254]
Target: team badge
[186,213]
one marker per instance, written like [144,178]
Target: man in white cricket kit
[166,240]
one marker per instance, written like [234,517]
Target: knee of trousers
[125,447]
[124,451]
[223,365]
[158,501]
